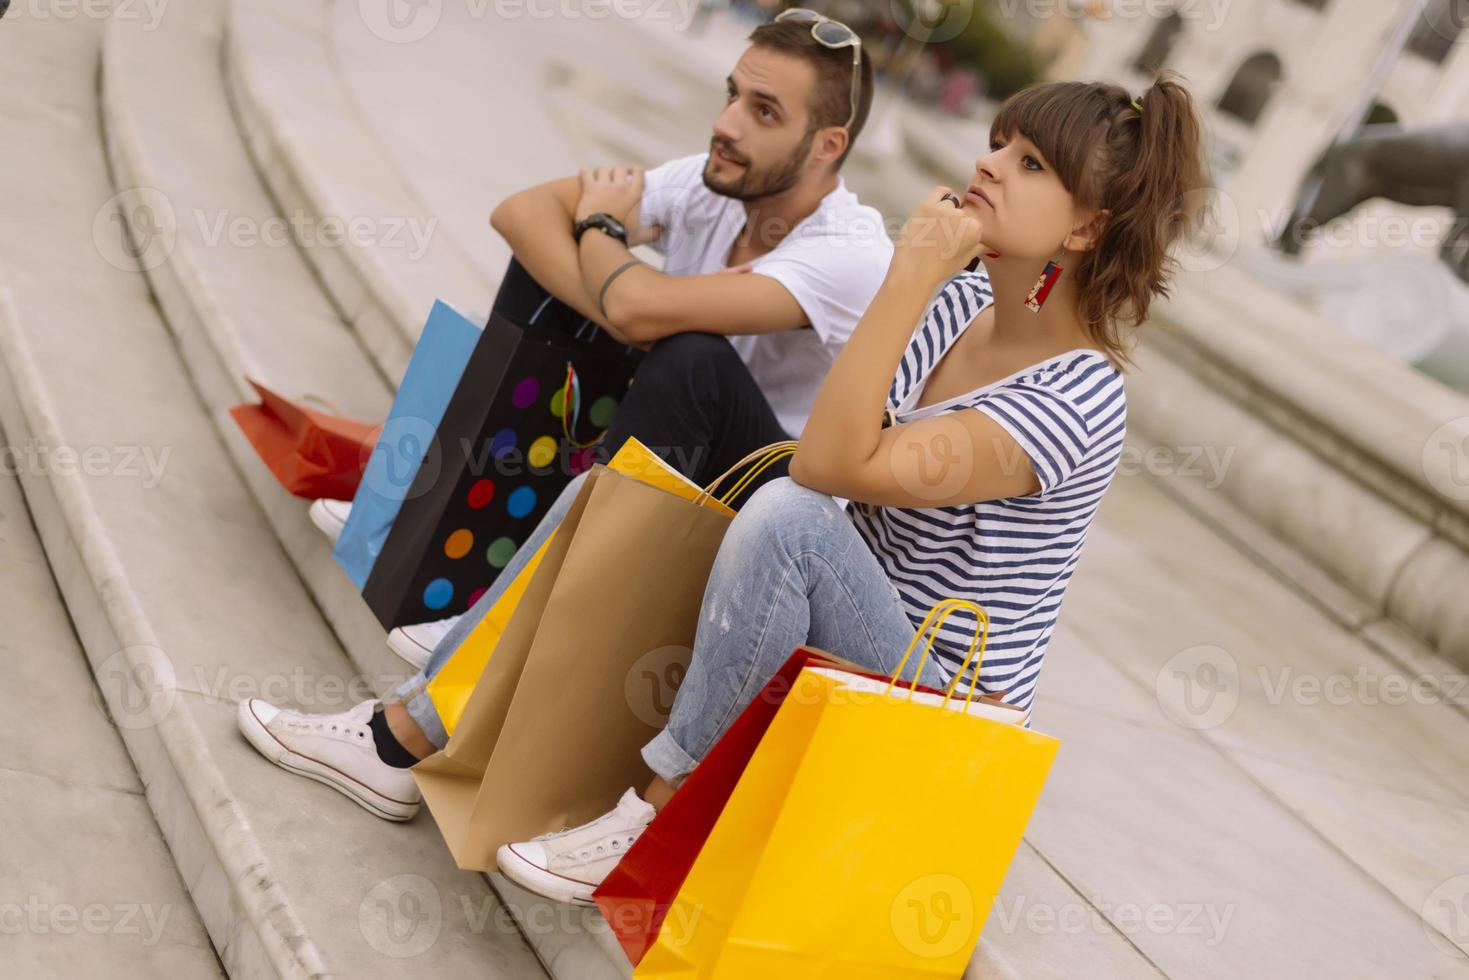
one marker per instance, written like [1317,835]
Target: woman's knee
[786,512]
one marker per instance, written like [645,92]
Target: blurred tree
[972,32]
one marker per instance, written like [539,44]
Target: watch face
[606,222]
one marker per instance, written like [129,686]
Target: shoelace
[586,852]
[321,726]
[563,830]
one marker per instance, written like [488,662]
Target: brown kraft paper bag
[579,681]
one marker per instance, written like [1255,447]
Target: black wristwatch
[603,221]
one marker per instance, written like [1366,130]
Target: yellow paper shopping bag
[451,687]
[866,840]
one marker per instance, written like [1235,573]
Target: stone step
[468,122]
[210,294]
[107,902]
[180,592]
[1198,655]
[464,152]
[321,161]
[238,304]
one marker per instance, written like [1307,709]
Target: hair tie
[1137,105]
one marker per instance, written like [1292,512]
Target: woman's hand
[939,240]
[611,190]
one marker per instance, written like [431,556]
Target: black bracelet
[602,296]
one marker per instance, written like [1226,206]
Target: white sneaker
[416,643]
[568,866]
[330,516]
[334,749]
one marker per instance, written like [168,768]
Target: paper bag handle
[764,457]
[571,409]
[930,626]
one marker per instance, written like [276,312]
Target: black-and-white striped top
[1012,556]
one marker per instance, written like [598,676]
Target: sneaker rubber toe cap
[262,711]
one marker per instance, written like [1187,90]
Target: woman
[1008,414]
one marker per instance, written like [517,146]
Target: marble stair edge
[248,914]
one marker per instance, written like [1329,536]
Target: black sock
[389,749]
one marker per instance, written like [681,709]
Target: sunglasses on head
[835,35]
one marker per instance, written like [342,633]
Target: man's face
[762,139]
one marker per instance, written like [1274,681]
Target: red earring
[1042,287]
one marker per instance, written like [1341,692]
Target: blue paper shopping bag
[433,374]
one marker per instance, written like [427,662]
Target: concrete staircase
[180,588]
[108,902]
[322,163]
[297,343]
[1258,832]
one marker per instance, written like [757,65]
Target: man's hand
[611,190]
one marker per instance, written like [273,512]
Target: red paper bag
[636,894]
[311,453]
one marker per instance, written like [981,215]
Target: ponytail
[1152,203]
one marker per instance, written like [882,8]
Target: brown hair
[831,101]
[1146,168]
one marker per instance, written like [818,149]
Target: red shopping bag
[636,895]
[311,453]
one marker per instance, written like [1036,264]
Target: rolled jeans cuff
[414,695]
[668,759]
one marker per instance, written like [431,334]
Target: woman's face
[1029,213]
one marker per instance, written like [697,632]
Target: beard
[752,184]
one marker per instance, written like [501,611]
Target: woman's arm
[845,426]
[960,457]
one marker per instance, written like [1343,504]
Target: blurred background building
[1280,81]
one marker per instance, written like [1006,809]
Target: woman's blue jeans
[791,570]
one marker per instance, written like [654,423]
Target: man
[769,262]
[734,360]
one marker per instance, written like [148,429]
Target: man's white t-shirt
[832,263]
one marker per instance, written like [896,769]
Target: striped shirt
[1013,556]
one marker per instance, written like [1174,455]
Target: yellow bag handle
[766,461]
[764,458]
[930,626]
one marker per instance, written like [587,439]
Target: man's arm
[537,224]
[646,305]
